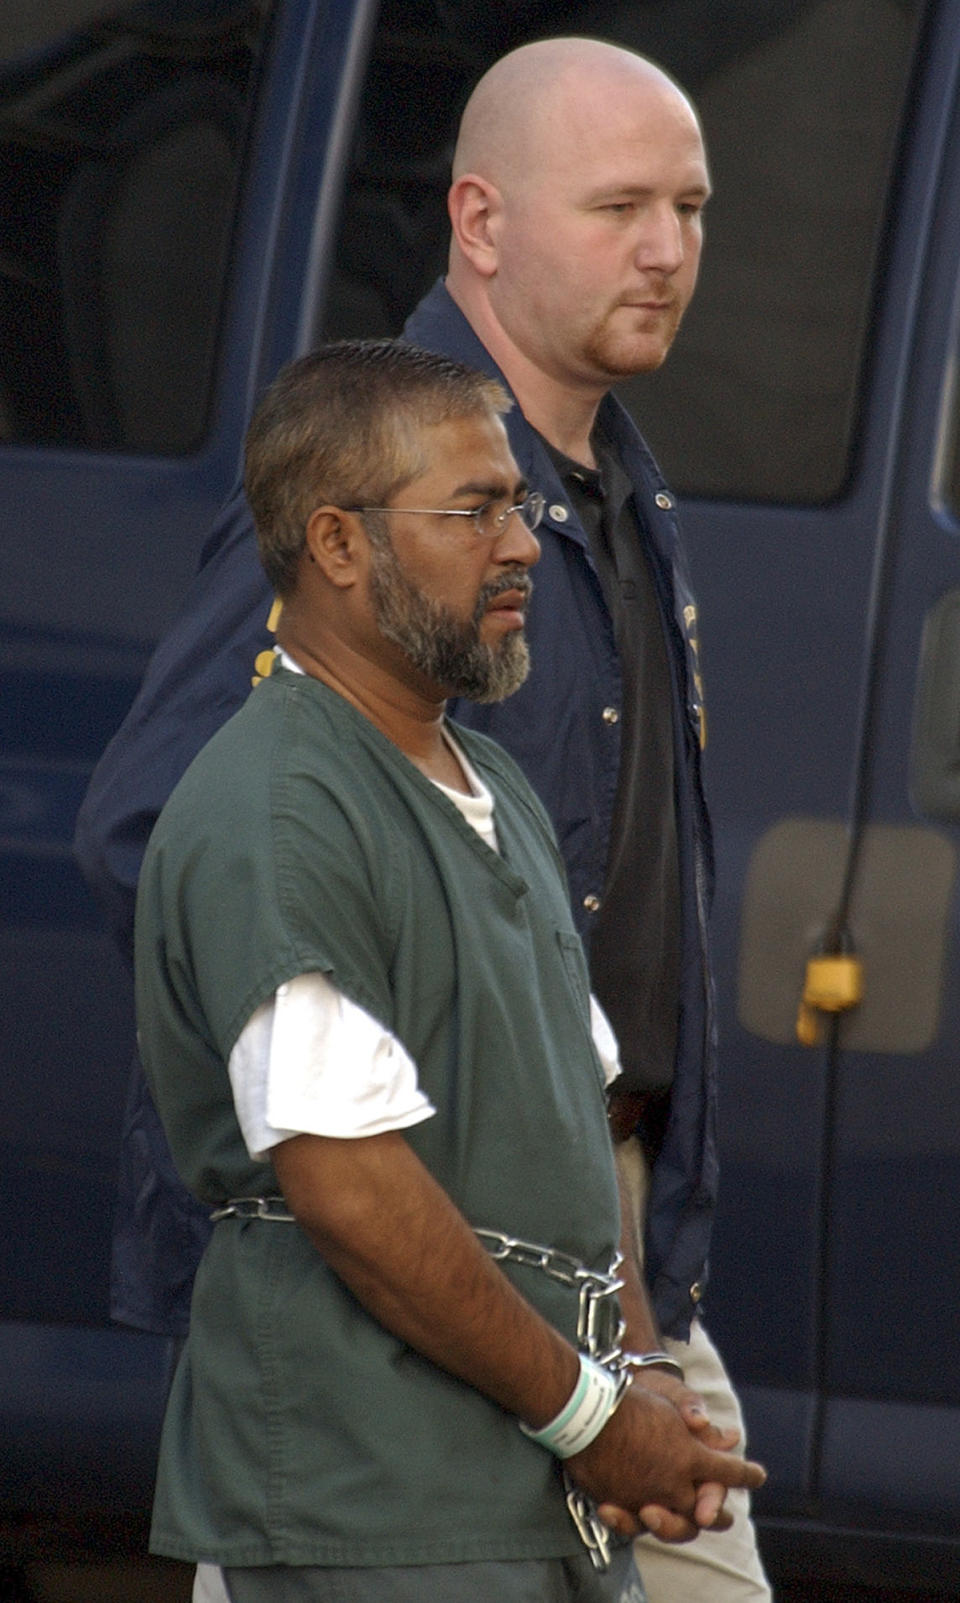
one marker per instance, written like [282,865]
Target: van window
[121,127]
[801,102]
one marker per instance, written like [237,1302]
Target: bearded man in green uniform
[365,1017]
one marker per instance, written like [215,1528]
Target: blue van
[196,190]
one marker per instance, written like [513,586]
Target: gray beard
[441,646]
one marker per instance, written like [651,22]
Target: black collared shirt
[634,944]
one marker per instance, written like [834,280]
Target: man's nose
[661,245]
[516,543]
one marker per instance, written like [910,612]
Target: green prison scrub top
[299,1431]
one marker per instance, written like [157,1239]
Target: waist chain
[600,1329]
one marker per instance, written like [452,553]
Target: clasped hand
[659,1464]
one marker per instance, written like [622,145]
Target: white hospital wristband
[583,1416]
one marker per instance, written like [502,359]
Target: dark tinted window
[801,102]
[121,127]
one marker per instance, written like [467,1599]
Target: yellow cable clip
[833,984]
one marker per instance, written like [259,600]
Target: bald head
[552,91]
[578,183]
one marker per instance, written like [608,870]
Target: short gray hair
[342,427]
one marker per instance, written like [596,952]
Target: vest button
[591,903]
[696,1291]
[558,512]
[610,715]
[664,501]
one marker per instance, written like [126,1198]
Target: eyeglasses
[487,521]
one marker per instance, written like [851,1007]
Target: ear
[337,544]
[476,210]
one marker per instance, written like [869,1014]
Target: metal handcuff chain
[273,1208]
[600,1332]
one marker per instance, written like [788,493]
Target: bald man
[579,182]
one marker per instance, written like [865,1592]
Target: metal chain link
[273,1208]
[600,1333]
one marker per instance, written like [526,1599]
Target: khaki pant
[719,1566]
